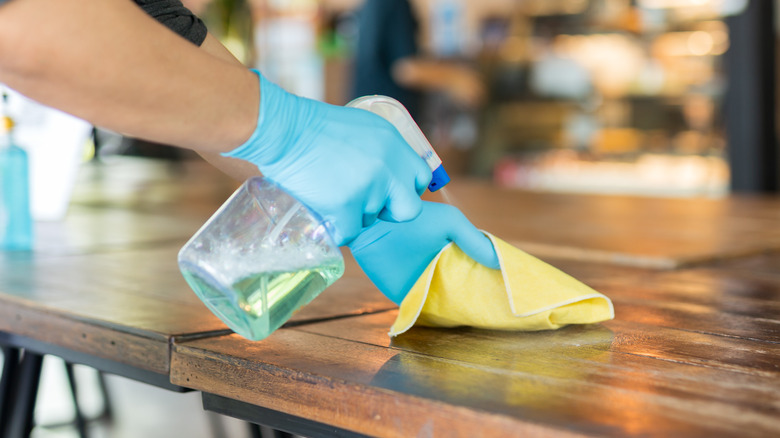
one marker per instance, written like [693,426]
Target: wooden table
[629,230]
[103,288]
[691,353]
[694,349]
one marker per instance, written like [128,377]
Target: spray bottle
[263,255]
[15,217]
[394,112]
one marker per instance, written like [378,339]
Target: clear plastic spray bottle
[16,230]
[263,255]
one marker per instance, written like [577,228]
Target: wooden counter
[693,351]
[628,230]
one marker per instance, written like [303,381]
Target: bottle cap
[6,124]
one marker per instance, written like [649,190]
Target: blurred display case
[602,96]
[609,96]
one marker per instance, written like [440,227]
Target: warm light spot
[700,43]
[513,49]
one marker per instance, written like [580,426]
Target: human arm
[107,62]
[342,146]
[181,20]
[239,169]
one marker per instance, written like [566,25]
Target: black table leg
[10,372]
[23,392]
[81,423]
[257,431]
[108,409]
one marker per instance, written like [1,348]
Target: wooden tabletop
[104,284]
[659,233]
[630,230]
[130,305]
[693,349]
[691,353]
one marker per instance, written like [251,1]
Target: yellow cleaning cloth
[526,294]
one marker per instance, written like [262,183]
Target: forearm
[107,62]
[238,169]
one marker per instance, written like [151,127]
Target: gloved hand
[348,165]
[394,255]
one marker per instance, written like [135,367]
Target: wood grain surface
[105,281]
[690,355]
[694,349]
[125,306]
[157,186]
[129,305]
[641,231]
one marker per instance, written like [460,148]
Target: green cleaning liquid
[258,304]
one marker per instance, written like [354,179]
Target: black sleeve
[176,17]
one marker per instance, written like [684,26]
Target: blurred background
[649,97]
[672,98]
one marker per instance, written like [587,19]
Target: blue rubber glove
[348,165]
[395,255]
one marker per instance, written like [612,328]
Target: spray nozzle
[395,113]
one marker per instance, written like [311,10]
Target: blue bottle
[16,230]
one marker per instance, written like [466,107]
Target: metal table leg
[10,371]
[23,392]
[81,423]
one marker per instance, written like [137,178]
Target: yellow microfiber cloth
[526,294]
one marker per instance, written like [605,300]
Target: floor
[140,410]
